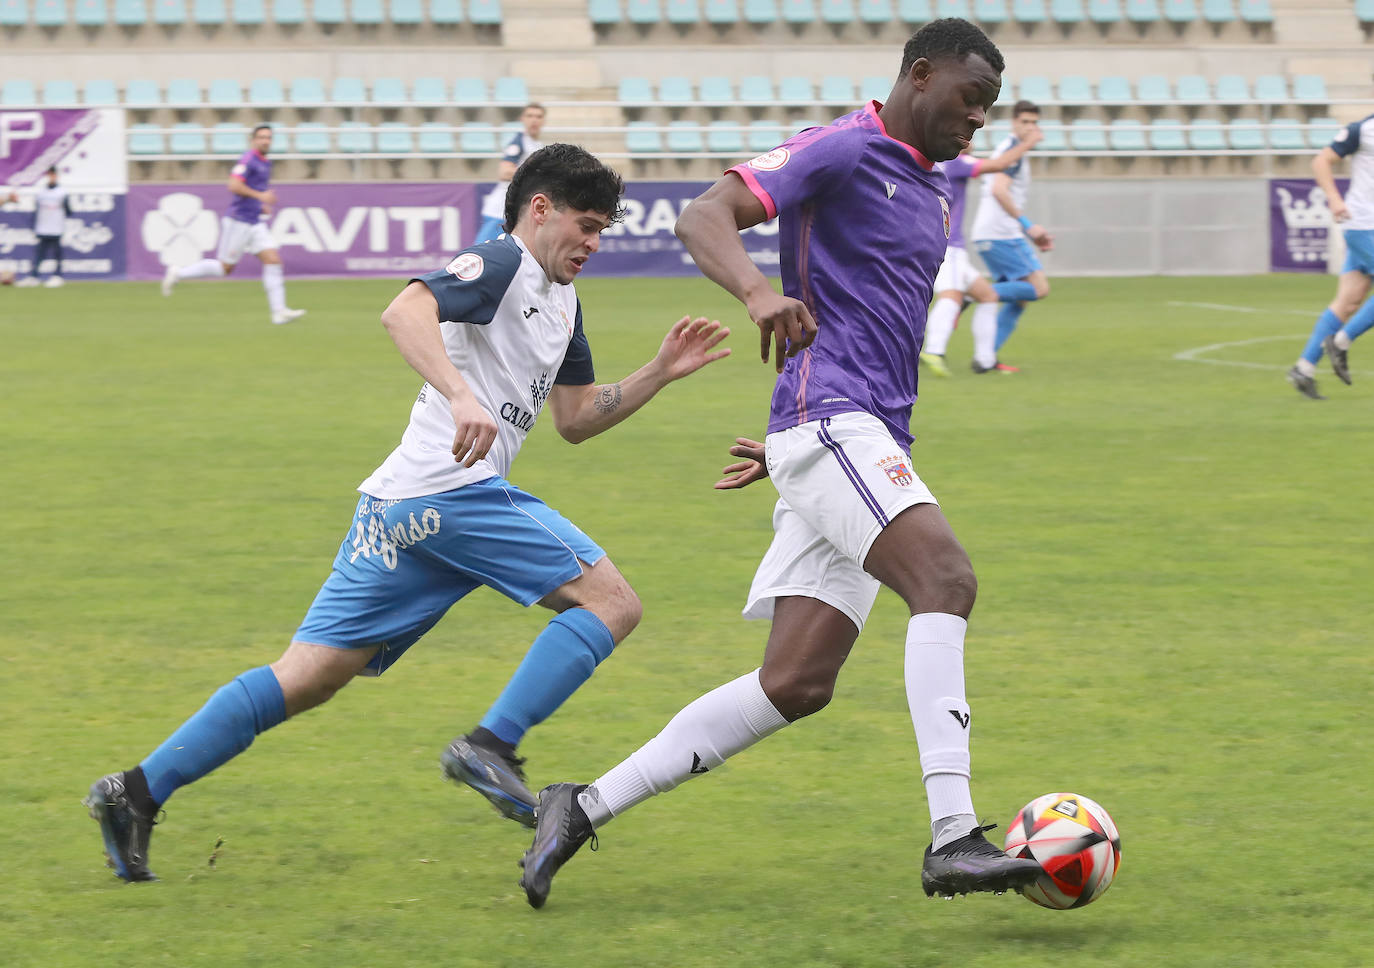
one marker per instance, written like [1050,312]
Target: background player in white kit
[518,148]
[242,230]
[50,211]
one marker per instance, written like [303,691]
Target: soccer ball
[1074,840]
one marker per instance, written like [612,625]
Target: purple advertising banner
[644,243]
[1299,224]
[86,146]
[92,237]
[323,230]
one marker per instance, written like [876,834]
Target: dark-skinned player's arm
[754,466]
[710,228]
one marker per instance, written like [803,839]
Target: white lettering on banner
[378,230]
[661,215]
[380,540]
[311,228]
[414,219]
[58,150]
[449,229]
[19,126]
[91,202]
[342,240]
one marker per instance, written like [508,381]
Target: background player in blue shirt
[521,145]
[496,334]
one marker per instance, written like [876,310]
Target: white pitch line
[1245,309]
[1191,356]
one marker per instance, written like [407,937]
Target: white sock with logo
[702,736]
[1342,340]
[935,695]
[276,288]
[984,327]
[943,315]
[204,269]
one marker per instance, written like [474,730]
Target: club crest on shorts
[467,266]
[898,471]
[771,161]
[944,207]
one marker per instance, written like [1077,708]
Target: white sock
[984,328]
[935,695]
[940,324]
[702,736]
[276,288]
[204,269]
[1306,368]
[1341,340]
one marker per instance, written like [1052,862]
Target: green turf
[1173,619]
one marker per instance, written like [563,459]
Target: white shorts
[956,272]
[840,481]
[236,238]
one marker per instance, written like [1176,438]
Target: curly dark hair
[950,37]
[571,177]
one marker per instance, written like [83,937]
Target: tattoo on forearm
[607,399]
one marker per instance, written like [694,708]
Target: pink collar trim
[259,154]
[873,107]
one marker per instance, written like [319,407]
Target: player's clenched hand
[476,430]
[690,345]
[268,198]
[753,468]
[1041,237]
[1339,210]
[783,320]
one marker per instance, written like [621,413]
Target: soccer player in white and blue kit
[521,145]
[1003,233]
[496,335]
[1345,320]
[864,221]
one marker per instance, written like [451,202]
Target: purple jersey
[959,171]
[864,224]
[255,171]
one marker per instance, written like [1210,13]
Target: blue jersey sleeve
[1348,141]
[577,364]
[470,287]
[514,151]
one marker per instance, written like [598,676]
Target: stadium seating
[100,93]
[59,92]
[407,12]
[1127,136]
[477,138]
[760,12]
[682,12]
[187,138]
[87,13]
[1028,11]
[1285,134]
[1179,11]
[50,13]
[716,90]
[209,13]
[1075,89]
[725,136]
[14,13]
[1245,134]
[354,137]
[228,138]
[675,90]
[435,138]
[1231,88]
[1114,89]
[1168,134]
[1142,11]
[1271,87]
[311,138]
[1086,134]
[1364,11]
[1218,11]
[1034,88]
[18,93]
[1255,11]
[1309,87]
[142,94]
[875,11]
[1104,11]
[1067,12]
[837,12]
[722,13]
[836,89]
[249,13]
[1192,87]
[1055,137]
[331,13]
[485,12]
[796,90]
[1206,134]
[395,138]
[797,11]
[184,91]
[265,92]
[510,91]
[389,91]
[429,90]
[684,137]
[224,92]
[1321,132]
[642,137]
[169,13]
[368,13]
[764,136]
[306,90]
[756,89]
[643,12]
[470,91]
[445,13]
[145,139]
[130,13]
[348,90]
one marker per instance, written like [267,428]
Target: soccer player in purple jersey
[958,277]
[241,230]
[851,512]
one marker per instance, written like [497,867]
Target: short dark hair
[1024,107]
[261,127]
[51,171]
[571,177]
[950,37]
[536,105]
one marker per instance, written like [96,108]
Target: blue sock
[563,657]
[1007,318]
[1361,321]
[1327,324]
[1016,290]
[223,728]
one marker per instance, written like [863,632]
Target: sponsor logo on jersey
[467,266]
[898,471]
[891,190]
[239,169]
[772,160]
[944,207]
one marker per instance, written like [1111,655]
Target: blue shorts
[403,563]
[1008,259]
[1359,251]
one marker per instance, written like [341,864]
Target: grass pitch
[1173,548]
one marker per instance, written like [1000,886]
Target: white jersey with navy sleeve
[517,149]
[992,220]
[512,334]
[1356,142]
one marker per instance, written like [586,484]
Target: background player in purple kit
[241,230]
[851,511]
[958,277]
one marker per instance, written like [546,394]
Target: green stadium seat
[997,132]
[485,13]
[1218,11]
[311,138]
[721,12]
[329,13]
[265,92]
[1285,134]
[1206,134]
[798,11]
[130,13]
[348,90]
[765,136]
[145,139]
[445,13]
[142,93]
[604,13]
[90,13]
[1364,11]
[643,12]
[913,11]
[1255,11]
[169,13]
[1192,87]
[1075,89]
[796,90]
[59,93]
[953,8]
[1125,135]
[990,11]
[14,13]
[1180,11]
[354,137]
[1231,88]
[725,136]
[1033,88]
[1087,134]
[249,13]
[510,91]
[642,137]
[1055,138]
[838,12]
[18,93]
[756,89]
[471,91]
[53,13]
[187,138]
[1153,89]
[476,138]
[759,12]
[837,89]
[1066,11]
[1309,87]
[1272,88]
[875,11]
[1322,131]
[1029,11]
[682,12]
[406,13]
[1104,11]
[635,91]
[1142,11]
[229,138]
[307,90]
[684,137]
[183,91]
[802,124]
[675,90]
[100,93]
[223,93]
[1246,134]
[435,138]
[716,90]
[389,91]
[1168,134]
[875,87]
[209,13]
[395,138]
[368,13]
[1114,89]
[429,90]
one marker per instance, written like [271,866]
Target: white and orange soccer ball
[1074,840]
